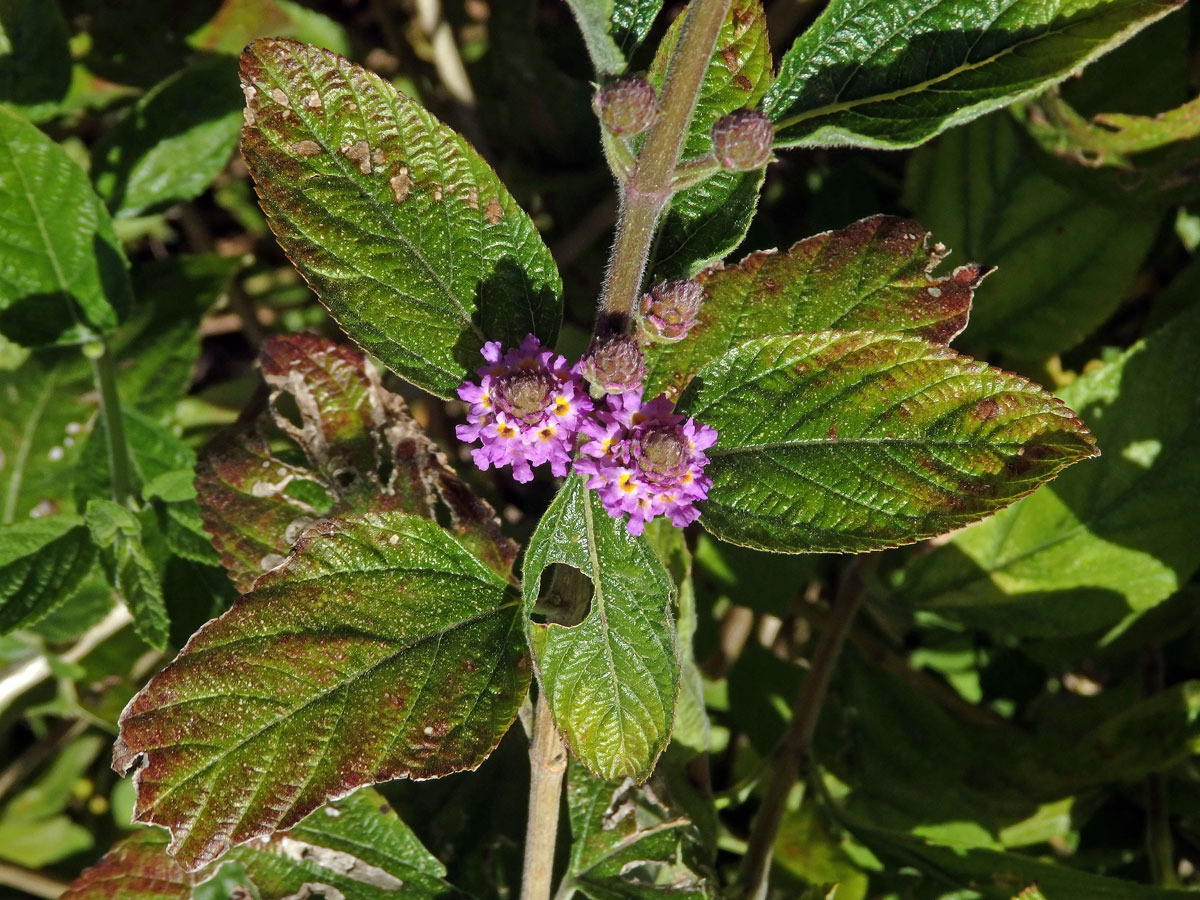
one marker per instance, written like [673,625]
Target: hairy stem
[547,762]
[797,742]
[650,184]
[104,372]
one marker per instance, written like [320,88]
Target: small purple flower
[525,411]
[645,461]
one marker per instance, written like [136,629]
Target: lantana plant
[390,625]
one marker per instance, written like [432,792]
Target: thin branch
[104,372]
[32,882]
[1160,848]
[650,184]
[797,742]
[547,763]
[36,670]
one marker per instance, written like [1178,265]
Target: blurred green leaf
[875,274]
[1107,541]
[708,220]
[406,234]
[349,446]
[1066,258]
[42,563]
[35,59]
[381,649]
[805,848]
[238,22]
[354,848]
[173,142]
[62,272]
[877,73]
[611,675]
[838,441]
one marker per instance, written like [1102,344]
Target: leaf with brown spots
[405,233]
[356,846]
[876,275]
[709,219]
[383,648]
[350,448]
[854,441]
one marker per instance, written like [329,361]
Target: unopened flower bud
[669,311]
[615,365]
[742,140]
[627,105]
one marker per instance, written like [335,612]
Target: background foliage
[1017,707]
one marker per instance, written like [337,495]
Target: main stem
[650,184]
[105,374]
[547,762]
[797,743]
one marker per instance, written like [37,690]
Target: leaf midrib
[832,108]
[891,442]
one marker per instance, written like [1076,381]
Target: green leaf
[35,58]
[625,844]
[131,570]
[631,21]
[1066,258]
[806,847]
[595,18]
[62,272]
[381,649]
[708,220]
[405,233]
[611,680]
[173,142]
[356,847]
[876,274]
[241,21]
[877,73]
[839,441]
[354,448]
[1107,541]
[994,875]
[42,563]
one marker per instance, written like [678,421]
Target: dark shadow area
[564,596]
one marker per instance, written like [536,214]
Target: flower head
[742,140]
[627,105]
[646,461]
[669,310]
[615,365]
[525,410]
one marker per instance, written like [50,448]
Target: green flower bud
[669,310]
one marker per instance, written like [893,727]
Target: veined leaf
[624,844]
[356,847]
[611,680]
[840,441]
[405,233]
[1109,540]
[1067,259]
[708,220]
[381,649]
[42,563]
[132,570]
[35,57]
[880,73]
[174,141]
[876,274]
[354,449]
[612,29]
[62,273]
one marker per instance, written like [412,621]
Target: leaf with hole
[405,233]
[381,649]
[331,442]
[855,441]
[611,677]
[881,73]
[876,274]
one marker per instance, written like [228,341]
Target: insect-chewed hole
[564,596]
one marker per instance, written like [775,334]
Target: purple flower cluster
[643,459]
[526,410]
